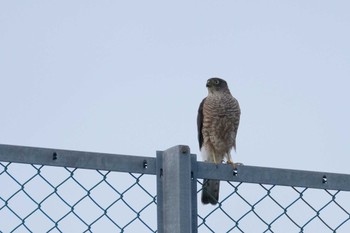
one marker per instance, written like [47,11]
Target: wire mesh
[37,198]
[245,207]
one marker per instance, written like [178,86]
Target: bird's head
[216,84]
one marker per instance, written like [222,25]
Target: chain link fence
[37,198]
[248,207]
[55,196]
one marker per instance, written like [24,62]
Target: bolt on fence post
[174,191]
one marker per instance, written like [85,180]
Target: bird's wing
[200,123]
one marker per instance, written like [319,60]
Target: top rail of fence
[77,159]
[147,165]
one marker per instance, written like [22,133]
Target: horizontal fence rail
[78,159]
[275,176]
[74,191]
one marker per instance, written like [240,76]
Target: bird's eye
[216,81]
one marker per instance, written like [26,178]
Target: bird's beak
[208,83]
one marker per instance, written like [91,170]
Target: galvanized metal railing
[51,190]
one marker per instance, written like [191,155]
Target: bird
[217,121]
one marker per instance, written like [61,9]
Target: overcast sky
[127,77]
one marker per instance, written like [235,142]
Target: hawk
[217,121]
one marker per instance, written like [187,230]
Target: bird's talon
[234,165]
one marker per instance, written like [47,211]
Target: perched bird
[217,121]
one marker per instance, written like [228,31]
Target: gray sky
[127,77]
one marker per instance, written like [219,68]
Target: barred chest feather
[220,122]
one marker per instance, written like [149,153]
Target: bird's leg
[214,158]
[229,161]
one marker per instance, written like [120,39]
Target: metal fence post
[175,181]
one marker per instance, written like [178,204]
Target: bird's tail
[210,191]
